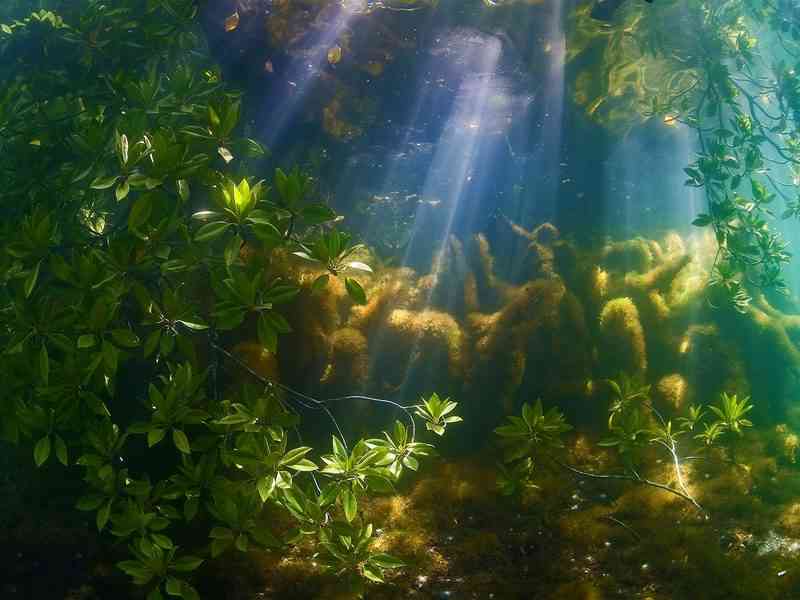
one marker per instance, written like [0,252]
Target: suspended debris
[374,68]
[225,154]
[335,55]
[232,22]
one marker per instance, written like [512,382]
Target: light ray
[453,164]
[301,76]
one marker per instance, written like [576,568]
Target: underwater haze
[383,299]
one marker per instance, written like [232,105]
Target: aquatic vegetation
[174,317]
[731,413]
[621,328]
[139,261]
[435,411]
[634,425]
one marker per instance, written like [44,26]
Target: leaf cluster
[135,246]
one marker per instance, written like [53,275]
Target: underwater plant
[437,413]
[731,413]
[137,250]
[634,425]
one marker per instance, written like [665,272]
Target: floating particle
[269,67]
[374,68]
[335,55]
[232,22]
[225,154]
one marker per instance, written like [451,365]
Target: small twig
[624,525]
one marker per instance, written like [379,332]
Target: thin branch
[635,477]
[623,525]
[310,402]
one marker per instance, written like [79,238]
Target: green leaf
[277,321]
[320,283]
[181,441]
[122,191]
[125,338]
[190,508]
[166,344]
[210,231]
[155,594]
[232,249]
[360,266]
[151,343]
[219,546]
[155,435]
[140,212]
[349,504]
[44,365]
[183,189]
[252,149]
[61,450]
[194,326]
[411,462]
[315,214]
[30,280]
[110,356]
[173,586]
[758,189]
[303,465]
[188,592]
[355,291]
[103,183]
[294,455]
[267,334]
[279,294]
[162,541]
[266,232]
[90,502]
[102,515]
[386,561]
[265,486]
[339,450]
[41,451]
[435,428]
[140,572]
[86,341]
[372,573]
[221,533]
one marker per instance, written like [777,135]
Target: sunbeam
[454,162]
[302,74]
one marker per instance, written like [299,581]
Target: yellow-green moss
[628,255]
[348,366]
[622,341]
[672,391]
